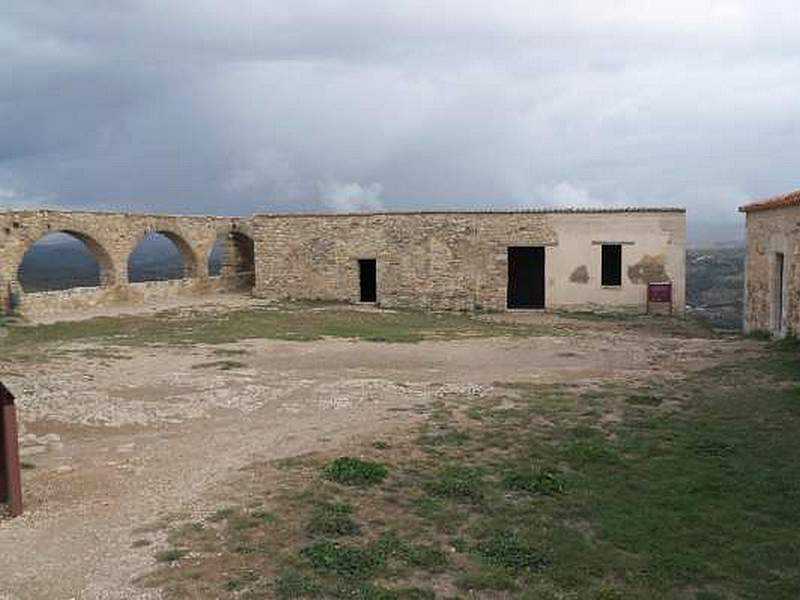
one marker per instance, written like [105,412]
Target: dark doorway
[526,277]
[780,262]
[612,265]
[367,277]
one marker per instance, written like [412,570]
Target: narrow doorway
[611,275]
[368,281]
[526,277]
[780,261]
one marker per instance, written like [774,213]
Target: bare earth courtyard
[139,427]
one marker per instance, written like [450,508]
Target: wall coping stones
[487,211]
[455,211]
[112,213]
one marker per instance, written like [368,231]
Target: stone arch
[237,259]
[103,258]
[184,248]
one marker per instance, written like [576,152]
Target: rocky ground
[119,437]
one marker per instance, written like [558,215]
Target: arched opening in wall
[233,258]
[63,260]
[215,259]
[161,256]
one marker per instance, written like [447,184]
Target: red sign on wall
[659,295]
[659,292]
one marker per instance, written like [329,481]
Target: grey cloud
[253,106]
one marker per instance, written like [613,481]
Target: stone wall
[459,260]
[436,260]
[112,237]
[770,232]
[46,305]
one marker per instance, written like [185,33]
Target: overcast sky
[234,107]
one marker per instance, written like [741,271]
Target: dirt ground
[120,438]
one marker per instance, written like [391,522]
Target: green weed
[346,470]
[507,550]
[333,518]
[348,562]
[534,480]
[458,482]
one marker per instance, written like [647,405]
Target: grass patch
[643,400]
[689,326]
[505,549]
[457,482]
[534,480]
[391,546]
[346,470]
[488,578]
[333,518]
[443,438]
[292,583]
[344,561]
[290,321]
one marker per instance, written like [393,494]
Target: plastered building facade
[772,271]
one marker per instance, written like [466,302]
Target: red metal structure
[10,479]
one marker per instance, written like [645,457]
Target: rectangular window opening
[612,265]
[367,273]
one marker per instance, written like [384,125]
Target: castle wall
[112,237]
[434,260]
[459,260]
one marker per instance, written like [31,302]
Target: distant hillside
[66,262]
[715,285]
[58,265]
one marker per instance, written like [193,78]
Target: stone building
[460,260]
[466,260]
[772,272]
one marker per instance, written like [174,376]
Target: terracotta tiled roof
[781,201]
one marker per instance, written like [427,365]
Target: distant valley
[67,263]
[715,285]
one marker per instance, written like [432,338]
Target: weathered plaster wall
[458,260]
[653,249]
[112,237]
[770,232]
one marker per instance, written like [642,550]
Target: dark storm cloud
[235,107]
